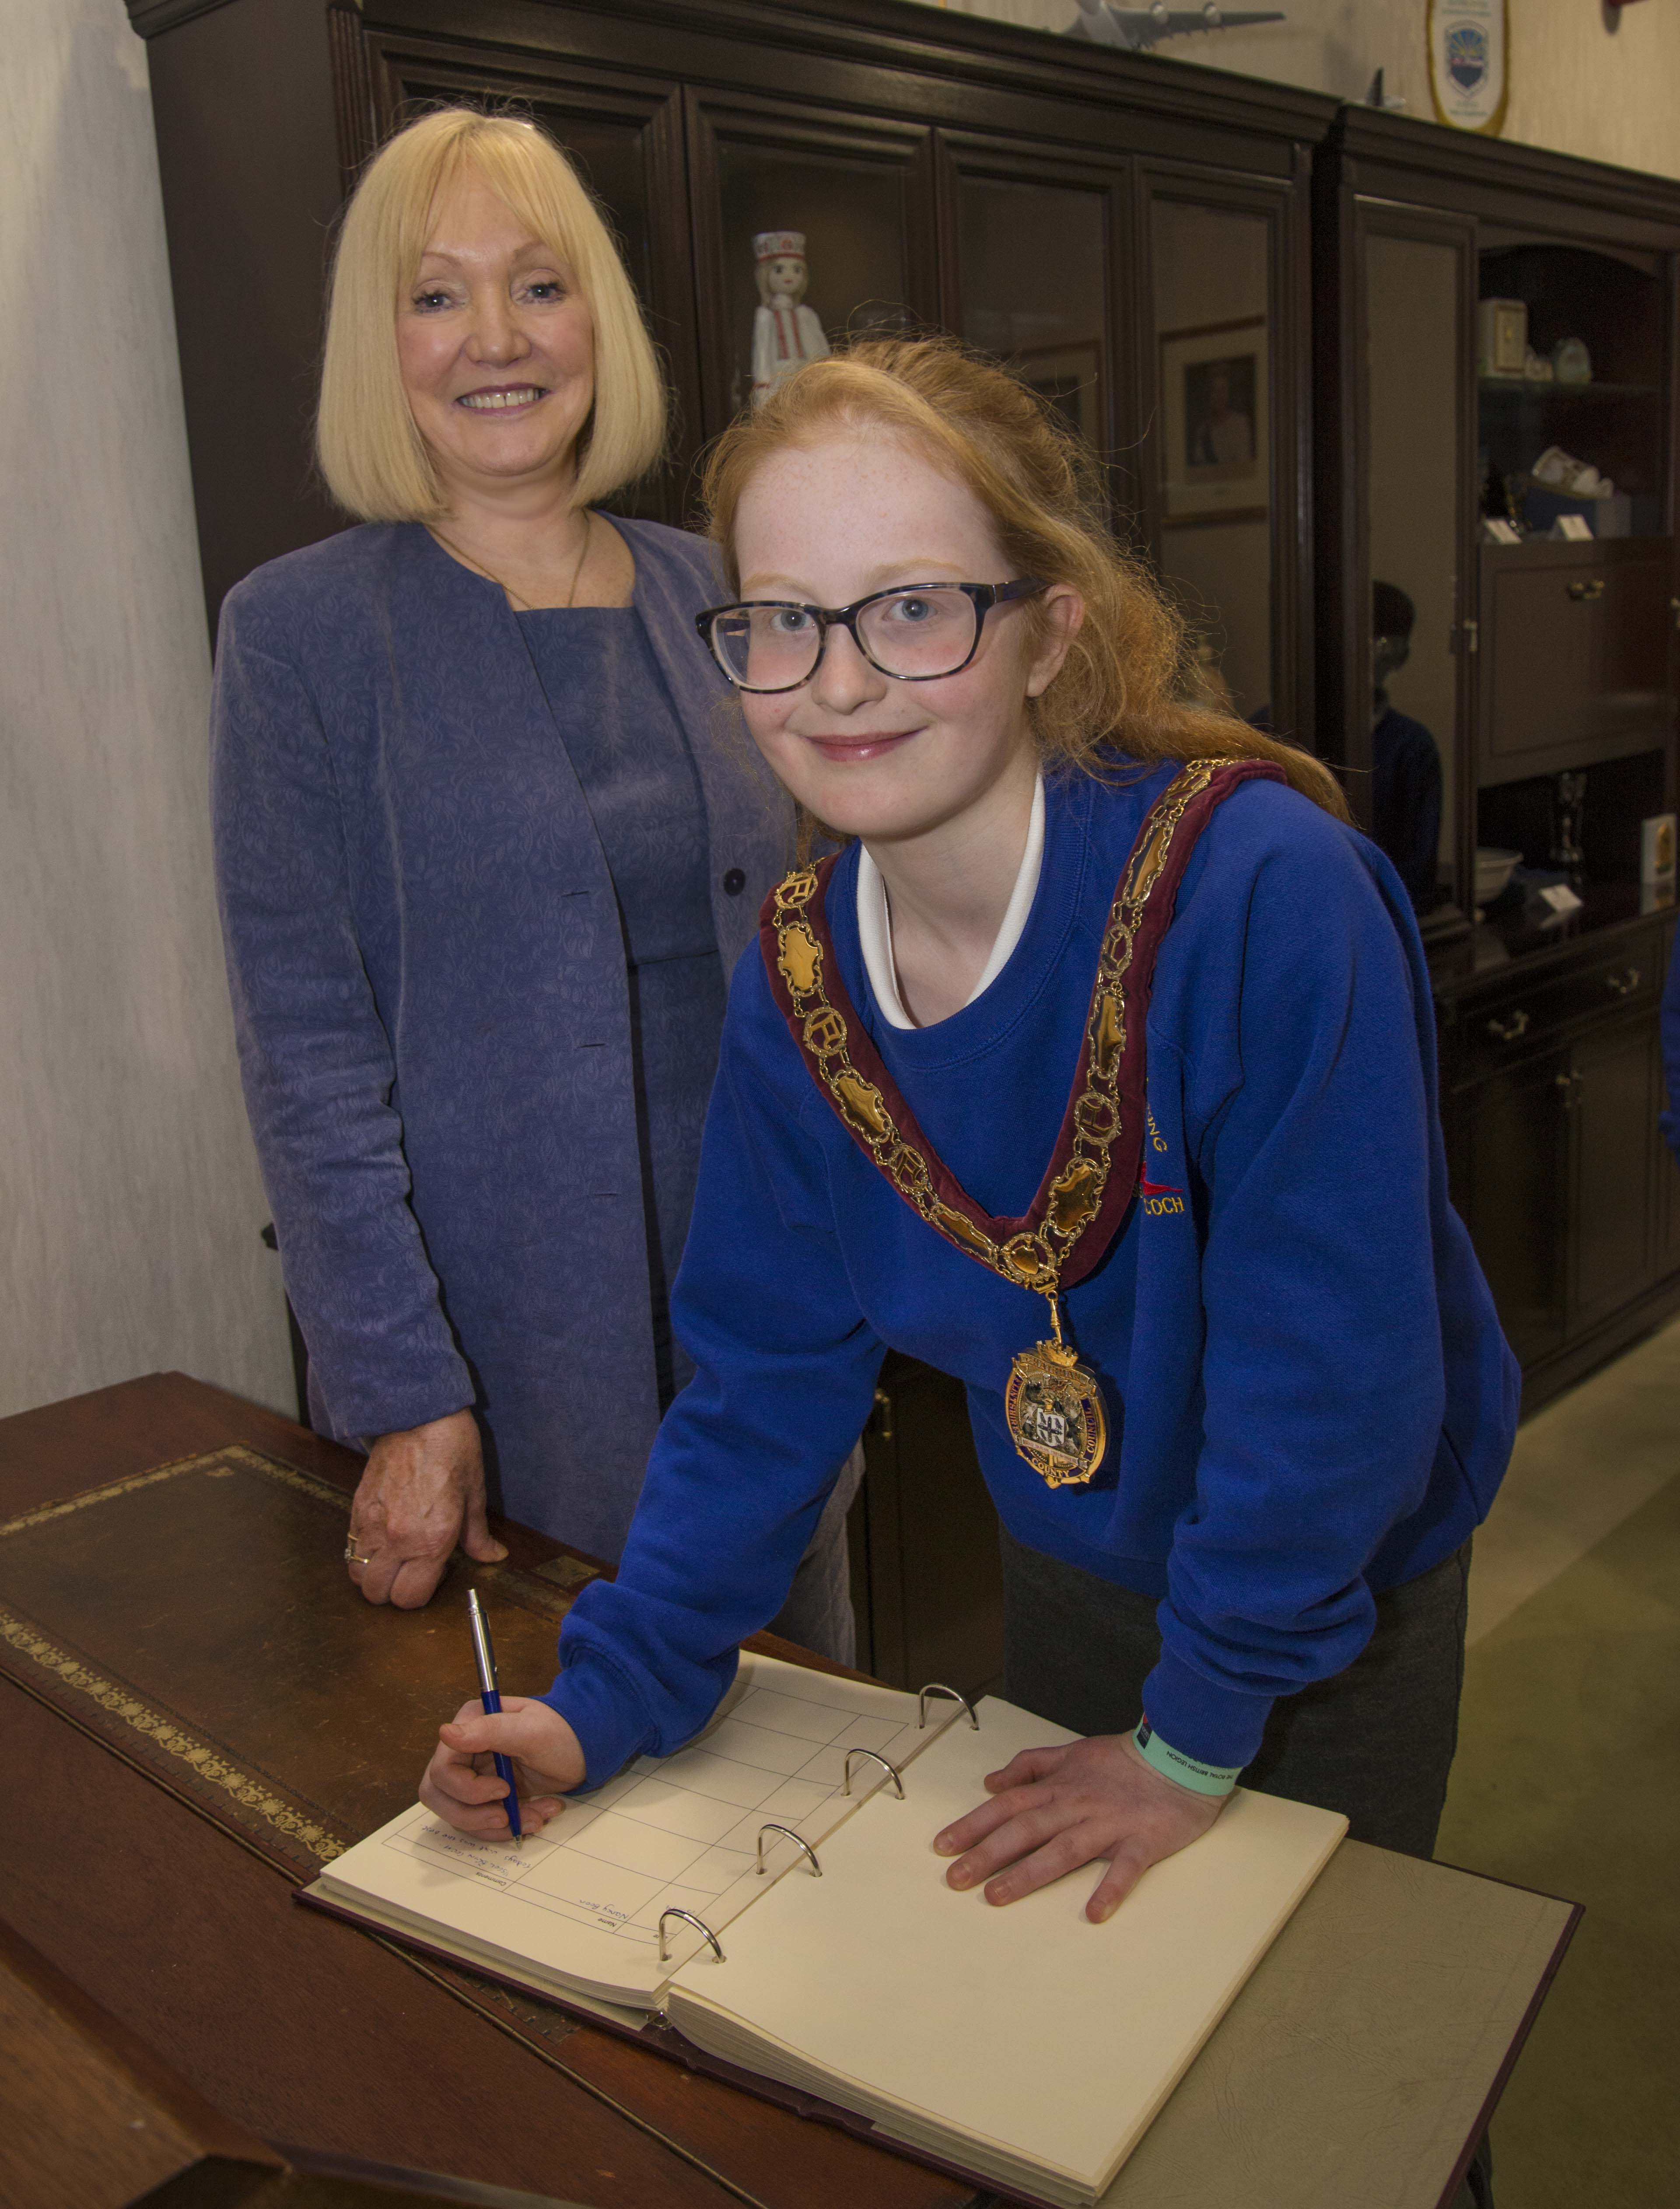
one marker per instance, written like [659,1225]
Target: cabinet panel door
[1666,1173]
[927,1576]
[1667,1209]
[1220,443]
[1613,1105]
[1508,1138]
[1032,259]
[1416,430]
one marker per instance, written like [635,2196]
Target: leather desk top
[172,1626]
[206,1710]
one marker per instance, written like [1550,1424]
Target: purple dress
[628,751]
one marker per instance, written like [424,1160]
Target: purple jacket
[429,991]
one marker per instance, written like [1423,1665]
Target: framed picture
[1070,377]
[1214,413]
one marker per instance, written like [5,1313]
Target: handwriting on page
[681,1833]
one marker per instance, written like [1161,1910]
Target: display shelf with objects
[1590,392]
[1496,330]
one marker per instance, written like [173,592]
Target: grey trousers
[1375,1742]
[818,1613]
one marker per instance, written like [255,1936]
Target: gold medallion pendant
[1053,1405]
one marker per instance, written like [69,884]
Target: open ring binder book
[1022,2047]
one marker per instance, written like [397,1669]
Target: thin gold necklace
[520,605]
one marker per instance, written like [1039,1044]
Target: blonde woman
[487,848]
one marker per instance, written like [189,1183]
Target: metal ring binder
[689,1918]
[798,1840]
[891,1770]
[938,1688]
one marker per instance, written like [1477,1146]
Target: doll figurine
[785,333]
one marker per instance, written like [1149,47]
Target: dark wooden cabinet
[1531,658]
[1551,1086]
[1612,1099]
[1667,1218]
[1508,1151]
[927,1578]
[1528,662]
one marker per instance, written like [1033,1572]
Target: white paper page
[584,1896]
[1025,2026]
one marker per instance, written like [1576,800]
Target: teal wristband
[1188,1771]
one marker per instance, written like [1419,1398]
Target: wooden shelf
[1511,387]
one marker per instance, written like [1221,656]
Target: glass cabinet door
[1212,444]
[803,237]
[850,216]
[1032,274]
[1415,507]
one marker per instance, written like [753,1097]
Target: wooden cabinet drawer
[1497,1027]
[1577,645]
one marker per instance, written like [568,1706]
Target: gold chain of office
[1032,1258]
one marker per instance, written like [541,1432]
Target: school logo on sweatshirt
[1159,1198]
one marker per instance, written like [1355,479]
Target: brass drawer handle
[1588,591]
[1624,985]
[1507,1031]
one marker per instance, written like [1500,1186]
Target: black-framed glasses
[915,633]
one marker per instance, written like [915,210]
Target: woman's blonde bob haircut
[375,460]
[1127,683]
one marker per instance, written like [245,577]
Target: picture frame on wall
[1216,406]
[1070,377]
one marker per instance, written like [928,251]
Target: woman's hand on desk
[422,1491]
[460,1786]
[1054,1809]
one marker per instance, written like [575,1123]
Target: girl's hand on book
[460,1784]
[1054,1809]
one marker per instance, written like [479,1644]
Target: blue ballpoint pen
[483,1656]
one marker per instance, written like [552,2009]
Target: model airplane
[1136,28]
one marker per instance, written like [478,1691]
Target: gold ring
[353,1555]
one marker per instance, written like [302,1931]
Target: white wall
[129,1203]
[1610,94]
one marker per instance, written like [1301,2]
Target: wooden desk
[1356,2065]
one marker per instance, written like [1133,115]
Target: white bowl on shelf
[1494,868]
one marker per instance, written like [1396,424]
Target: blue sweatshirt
[1308,1393]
